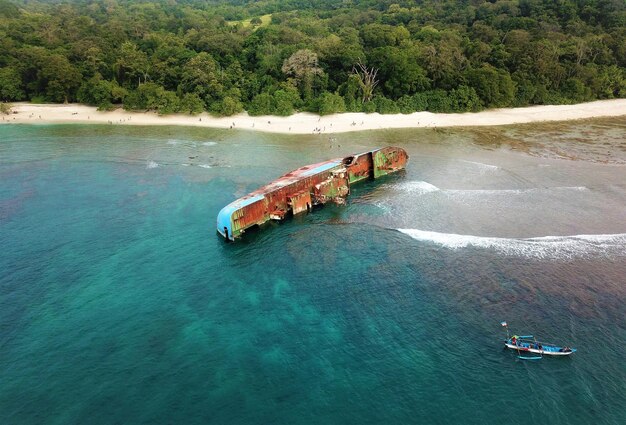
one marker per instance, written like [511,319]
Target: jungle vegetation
[282,56]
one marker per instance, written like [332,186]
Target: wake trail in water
[545,247]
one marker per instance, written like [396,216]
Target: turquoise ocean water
[120,305]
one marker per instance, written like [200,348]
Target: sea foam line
[481,165]
[513,191]
[575,246]
[421,187]
[415,186]
[176,142]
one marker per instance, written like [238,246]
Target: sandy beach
[305,123]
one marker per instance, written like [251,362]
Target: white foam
[209,144]
[384,206]
[176,142]
[481,165]
[419,187]
[204,166]
[488,191]
[576,246]
[512,191]
[151,164]
[577,188]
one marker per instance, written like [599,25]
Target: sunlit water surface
[119,304]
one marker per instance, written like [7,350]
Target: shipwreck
[298,191]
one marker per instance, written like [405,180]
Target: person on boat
[536,345]
[565,350]
[514,340]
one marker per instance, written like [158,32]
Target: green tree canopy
[10,84]
[439,55]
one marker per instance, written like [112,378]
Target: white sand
[304,123]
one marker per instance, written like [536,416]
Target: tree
[132,65]
[351,92]
[10,84]
[575,90]
[406,105]
[163,101]
[303,66]
[286,100]
[229,105]
[399,70]
[380,35]
[425,54]
[151,96]
[438,101]
[547,68]
[525,89]
[5,108]
[201,75]
[8,9]
[60,77]
[385,105]
[262,104]
[465,98]
[167,58]
[96,91]
[444,60]
[338,53]
[330,103]
[367,80]
[612,82]
[191,104]
[494,86]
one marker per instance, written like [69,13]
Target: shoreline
[307,123]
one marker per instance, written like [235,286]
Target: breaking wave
[204,166]
[151,164]
[544,247]
[209,144]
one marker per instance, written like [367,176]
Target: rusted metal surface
[296,192]
[388,160]
[300,202]
[334,189]
[359,167]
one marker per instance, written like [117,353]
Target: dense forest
[281,56]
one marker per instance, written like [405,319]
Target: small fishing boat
[528,344]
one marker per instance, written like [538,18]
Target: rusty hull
[298,191]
